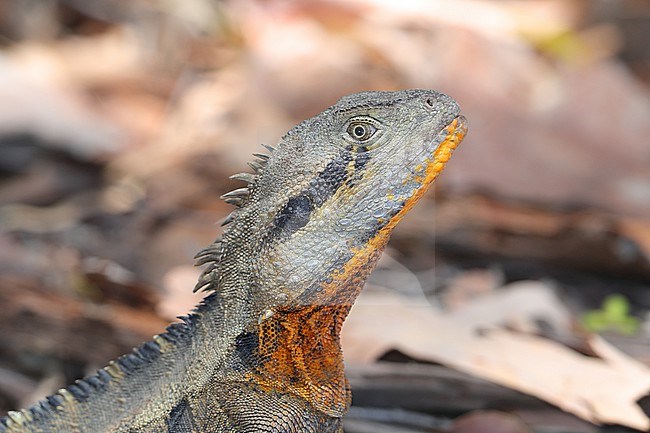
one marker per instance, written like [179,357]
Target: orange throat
[300,353]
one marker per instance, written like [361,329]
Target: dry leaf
[601,389]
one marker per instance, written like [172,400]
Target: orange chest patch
[299,352]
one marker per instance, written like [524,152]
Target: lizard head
[315,218]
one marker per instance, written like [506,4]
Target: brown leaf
[604,388]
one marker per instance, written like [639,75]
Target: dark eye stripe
[295,214]
[361,159]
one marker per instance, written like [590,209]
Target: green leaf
[613,316]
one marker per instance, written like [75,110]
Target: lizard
[261,352]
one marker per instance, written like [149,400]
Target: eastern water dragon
[261,352]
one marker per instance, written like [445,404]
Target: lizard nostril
[429,102]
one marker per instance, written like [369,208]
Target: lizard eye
[363,131]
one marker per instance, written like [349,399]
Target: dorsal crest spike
[210,256]
[262,156]
[235,201]
[244,177]
[271,149]
[257,166]
[237,193]
[230,218]
[200,287]
[208,279]
[200,261]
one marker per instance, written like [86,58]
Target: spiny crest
[259,163]
[239,197]
[84,389]
[212,255]
[236,197]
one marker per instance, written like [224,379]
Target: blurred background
[120,122]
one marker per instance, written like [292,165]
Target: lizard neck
[298,351]
[295,348]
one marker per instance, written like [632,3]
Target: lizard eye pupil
[361,131]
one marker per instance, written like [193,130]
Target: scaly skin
[261,353]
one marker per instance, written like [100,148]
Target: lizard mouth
[455,132]
[429,170]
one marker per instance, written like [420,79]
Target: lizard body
[261,353]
